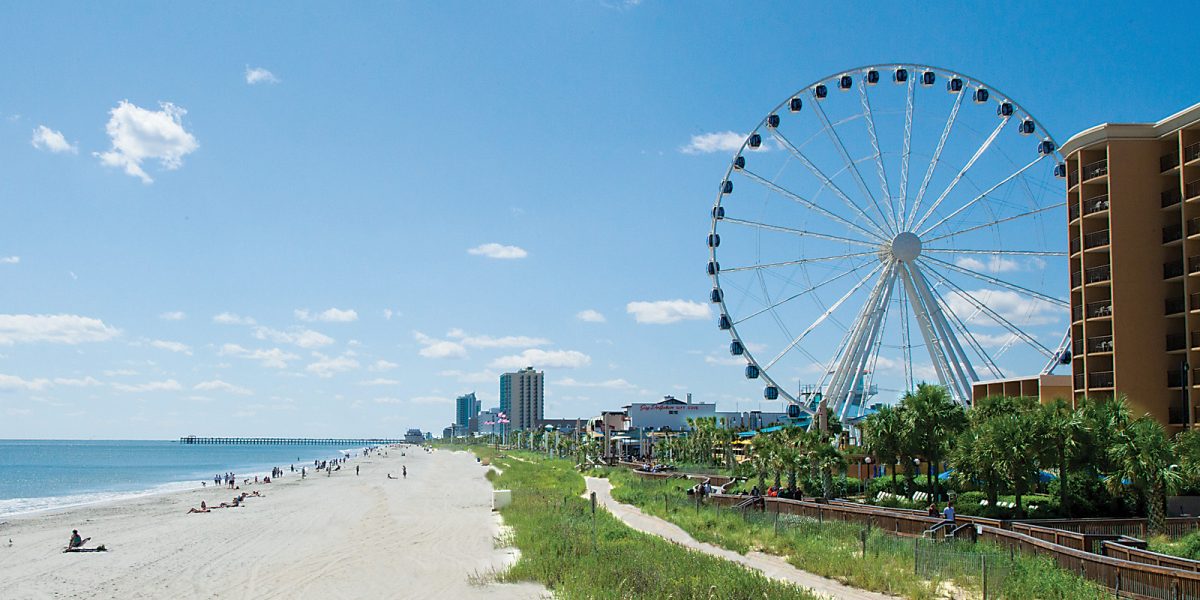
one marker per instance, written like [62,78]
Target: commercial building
[1046,388]
[489,421]
[522,398]
[1133,203]
[465,408]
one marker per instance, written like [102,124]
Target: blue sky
[176,193]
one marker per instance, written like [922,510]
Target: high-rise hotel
[1133,204]
[522,398]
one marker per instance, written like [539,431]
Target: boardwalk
[191,439]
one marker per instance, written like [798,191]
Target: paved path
[772,566]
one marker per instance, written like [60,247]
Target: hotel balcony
[1094,170]
[1173,269]
[1172,233]
[1177,413]
[1100,379]
[1079,382]
[1098,274]
[1092,206]
[1097,239]
[1191,152]
[1073,211]
[1168,162]
[1077,278]
[1173,306]
[1102,308]
[1175,379]
[1193,264]
[1192,189]
[1170,198]
[1101,343]
[1075,245]
[1072,178]
[1176,341]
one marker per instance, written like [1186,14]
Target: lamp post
[861,482]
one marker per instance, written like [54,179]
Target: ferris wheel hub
[906,246]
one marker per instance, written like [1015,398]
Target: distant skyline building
[465,408]
[522,398]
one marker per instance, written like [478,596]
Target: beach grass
[580,555]
[835,549]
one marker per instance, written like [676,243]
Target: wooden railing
[1132,553]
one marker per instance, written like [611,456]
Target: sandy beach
[342,536]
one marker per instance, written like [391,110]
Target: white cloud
[50,140]
[1013,307]
[331,315]
[139,134]
[174,315]
[590,316]
[486,341]
[663,312]
[382,365]
[725,361]
[305,338]
[494,250]
[227,318]
[610,384]
[216,385]
[13,383]
[389,313]
[995,264]
[719,141]
[484,376]
[88,381]
[170,385]
[58,329]
[327,366]
[380,381]
[999,340]
[172,346]
[273,358]
[256,75]
[120,373]
[9,260]
[435,348]
[554,359]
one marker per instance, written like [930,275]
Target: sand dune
[343,536]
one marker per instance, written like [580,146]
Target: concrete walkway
[772,566]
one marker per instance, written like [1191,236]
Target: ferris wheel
[887,225]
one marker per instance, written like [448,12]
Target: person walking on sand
[404,471]
[355,470]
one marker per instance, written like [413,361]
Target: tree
[1144,462]
[883,437]
[1063,425]
[932,422]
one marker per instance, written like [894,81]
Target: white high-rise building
[522,398]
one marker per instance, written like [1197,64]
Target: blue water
[46,474]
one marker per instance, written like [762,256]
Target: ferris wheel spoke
[824,315]
[801,261]
[982,196]
[879,169]
[801,232]
[996,252]
[873,364]
[929,333]
[937,156]
[996,222]
[808,203]
[905,341]
[836,138]
[848,376]
[965,332]
[963,171]
[1001,282]
[819,174]
[906,154]
[984,308]
[797,295]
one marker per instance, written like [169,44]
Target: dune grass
[835,549]
[552,526]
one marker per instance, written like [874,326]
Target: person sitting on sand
[203,508]
[390,476]
[76,541]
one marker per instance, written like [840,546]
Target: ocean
[46,474]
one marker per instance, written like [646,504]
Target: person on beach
[356,470]
[76,541]
[404,471]
[303,473]
[203,508]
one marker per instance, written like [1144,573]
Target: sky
[313,219]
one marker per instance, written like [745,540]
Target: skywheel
[888,225]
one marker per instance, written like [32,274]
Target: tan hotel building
[1133,203]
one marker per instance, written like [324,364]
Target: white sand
[343,536]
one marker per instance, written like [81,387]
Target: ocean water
[46,474]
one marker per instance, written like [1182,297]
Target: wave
[22,506]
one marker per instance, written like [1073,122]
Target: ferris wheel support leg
[865,327]
[925,325]
[944,325]
[870,349]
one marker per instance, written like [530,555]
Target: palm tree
[883,437]
[1063,425]
[1144,461]
[933,420]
